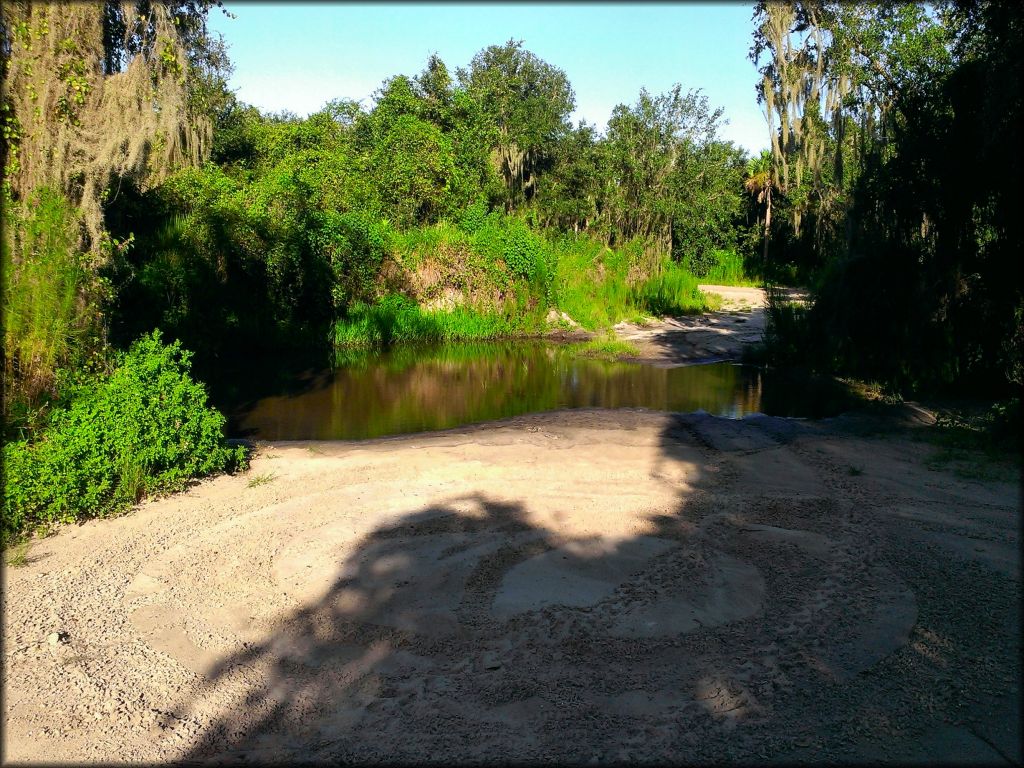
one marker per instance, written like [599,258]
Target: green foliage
[673,291]
[523,104]
[911,232]
[474,216]
[669,176]
[145,428]
[510,243]
[49,295]
[308,222]
[706,196]
[572,192]
[226,261]
[789,332]
[590,283]
[608,348]
[395,319]
[414,168]
[718,267]
[355,245]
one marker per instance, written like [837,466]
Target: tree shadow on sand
[734,627]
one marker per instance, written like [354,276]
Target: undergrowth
[496,277]
[978,446]
[145,428]
[673,291]
[396,319]
[721,267]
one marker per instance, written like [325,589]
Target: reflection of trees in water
[414,389]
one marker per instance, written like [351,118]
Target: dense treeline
[472,190]
[894,165]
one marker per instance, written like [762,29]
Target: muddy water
[416,389]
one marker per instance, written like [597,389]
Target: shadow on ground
[768,616]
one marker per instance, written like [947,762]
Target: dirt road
[584,586]
[714,336]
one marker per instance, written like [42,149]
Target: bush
[355,244]
[508,240]
[145,428]
[474,217]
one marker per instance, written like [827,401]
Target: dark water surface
[416,389]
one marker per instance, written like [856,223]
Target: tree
[832,73]
[415,171]
[759,184]
[925,289]
[571,194]
[434,85]
[645,144]
[706,194]
[526,103]
[98,94]
[96,98]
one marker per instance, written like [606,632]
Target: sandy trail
[578,586]
[714,336]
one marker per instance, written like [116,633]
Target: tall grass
[397,319]
[673,291]
[723,268]
[590,283]
[45,317]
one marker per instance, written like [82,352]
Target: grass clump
[143,428]
[590,282]
[396,319]
[979,445]
[261,479]
[17,554]
[608,348]
[721,267]
[672,291]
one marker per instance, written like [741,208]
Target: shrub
[508,240]
[145,428]
[474,217]
[355,244]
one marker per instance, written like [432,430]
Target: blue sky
[299,56]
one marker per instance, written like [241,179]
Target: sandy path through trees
[571,586]
[713,336]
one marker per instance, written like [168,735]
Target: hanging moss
[95,103]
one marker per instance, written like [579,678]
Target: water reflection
[413,389]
